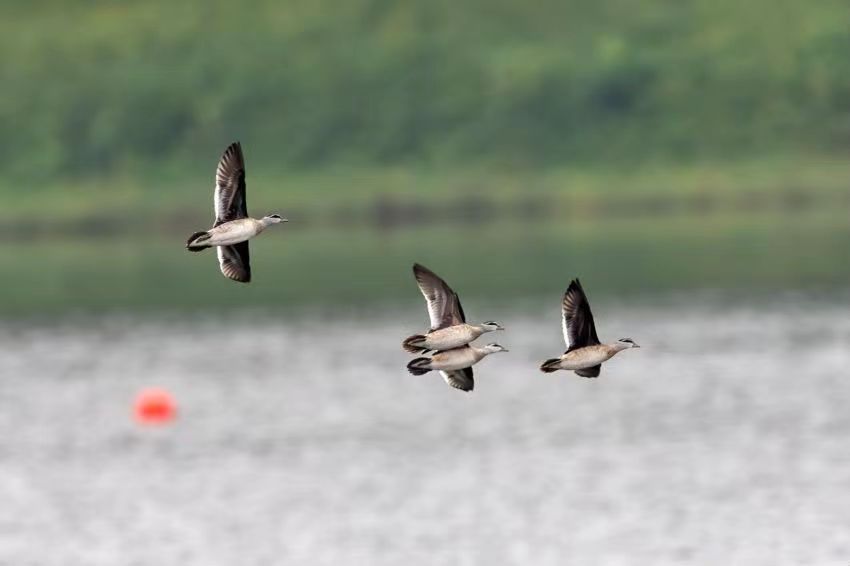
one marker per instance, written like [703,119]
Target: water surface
[304,441]
[302,267]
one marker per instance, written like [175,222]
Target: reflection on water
[722,440]
[309,267]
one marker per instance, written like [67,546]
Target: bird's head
[493,348]
[270,219]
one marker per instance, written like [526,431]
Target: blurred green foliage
[102,88]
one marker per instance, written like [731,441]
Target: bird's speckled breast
[451,337]
[458,358]
[234,232]
[586,357]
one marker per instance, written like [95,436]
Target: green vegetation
[409,196]
[151,89]
[651,145]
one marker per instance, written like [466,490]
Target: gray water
[724,440]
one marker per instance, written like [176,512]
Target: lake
[322,267]
[301,439]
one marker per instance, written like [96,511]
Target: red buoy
[155,406]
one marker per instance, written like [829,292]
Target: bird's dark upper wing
[444,308]
[235,261]
[230,202]
[577,323]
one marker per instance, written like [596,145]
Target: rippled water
[724,440]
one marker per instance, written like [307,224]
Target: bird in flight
[233,227]
[450,335]
[454,365]
[585,353]
[449,328]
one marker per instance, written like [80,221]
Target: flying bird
[585,353]
[233,227]
[454,365]
[449,328]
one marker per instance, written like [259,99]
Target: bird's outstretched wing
[230,203]
[590,372]
[460,378]
[444,307]
[235,261]
[577,324]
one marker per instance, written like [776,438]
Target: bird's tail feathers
[419,366]
[195,243]
[414,344]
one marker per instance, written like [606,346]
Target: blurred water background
[687,160]
[722,440]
